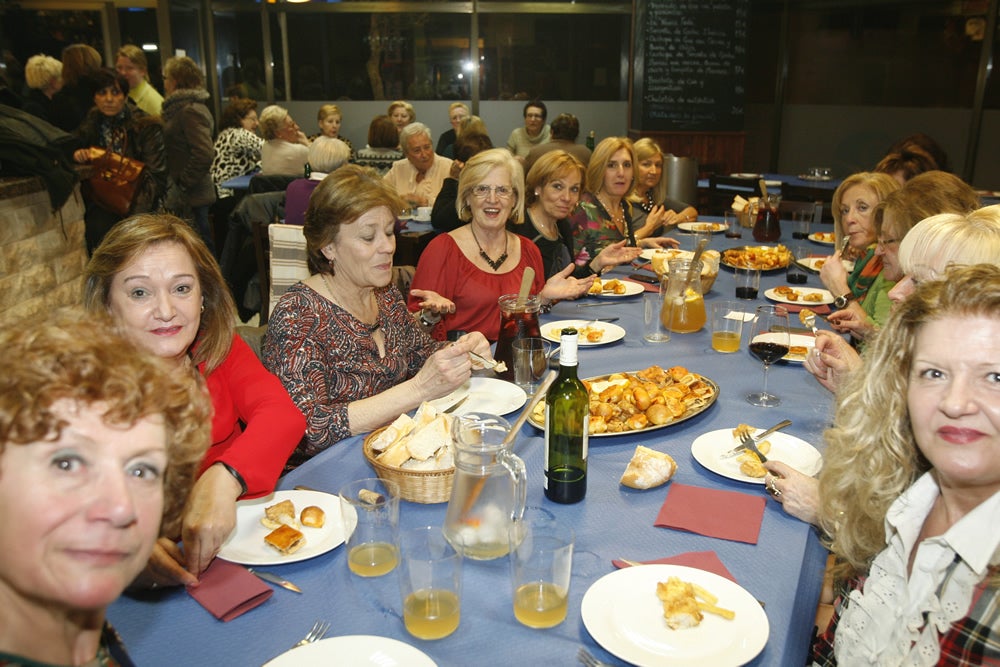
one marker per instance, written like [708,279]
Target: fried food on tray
[631,401]
[683,603]
[758,257]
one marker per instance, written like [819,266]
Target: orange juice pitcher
[683,308]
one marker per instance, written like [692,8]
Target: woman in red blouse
[164,289]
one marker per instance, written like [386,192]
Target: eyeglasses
[501,191]
[885,243]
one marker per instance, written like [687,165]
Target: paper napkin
[227,590]
[729,515]
[703,560]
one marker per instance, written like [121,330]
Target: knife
[595,304]
[794,330]
[275,579]
[757,438]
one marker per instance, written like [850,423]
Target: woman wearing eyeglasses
[472,266]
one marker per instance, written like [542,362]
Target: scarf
[866,270]
[114,136]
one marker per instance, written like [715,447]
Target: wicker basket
[418,486]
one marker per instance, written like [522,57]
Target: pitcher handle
[515,467]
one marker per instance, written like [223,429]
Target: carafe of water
[683,309]
[518,319]
[489,490]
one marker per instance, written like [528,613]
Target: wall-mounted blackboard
[689,65]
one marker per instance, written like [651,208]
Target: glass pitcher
[683,309]
[767,227]
[516,321]
[489,490]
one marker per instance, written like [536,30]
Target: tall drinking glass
[769,341]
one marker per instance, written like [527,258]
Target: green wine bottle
[567,417]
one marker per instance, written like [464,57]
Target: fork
[316,633]
[748,442]
[584,656]
[488,363]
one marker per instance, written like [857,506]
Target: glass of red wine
[769,341]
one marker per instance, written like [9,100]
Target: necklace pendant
[495,264]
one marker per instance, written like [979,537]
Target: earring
[537,193]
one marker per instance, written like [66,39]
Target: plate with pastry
[284,527]
[591,333]
[802,296]
[661,614]
[798,348]
[709,449]
[358,650]
[826,238]
[710,227]
[814,264]
[613,288]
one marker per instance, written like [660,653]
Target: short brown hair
[185,73]
[135,235]
[552,165]
[236,111]
[340,199]
[382,133]
[79,61]
[70,354]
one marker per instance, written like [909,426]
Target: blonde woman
[43,74]
[457,112]
[130,61]
[329,118]
[402,114]
[652,209]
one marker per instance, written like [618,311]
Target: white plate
[816,238]
[622,613]
[713,227]
[246,544]
[773,184]
[795,340]
[612,332]
[354,650]
[631,289]
[816,263]
[745,175]
[827,296]
[709,447]
[674,253]
[810,177]
[490,395]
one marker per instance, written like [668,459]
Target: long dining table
[783,569]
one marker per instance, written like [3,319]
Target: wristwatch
[428,320]
[841,301]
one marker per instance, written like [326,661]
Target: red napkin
[729,515]
[703,560]
[819,309]
[227,590]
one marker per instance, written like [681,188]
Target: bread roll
[313,517]
[285,539]
[648,468]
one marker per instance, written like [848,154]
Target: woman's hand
[434,302]
[853,320]
[797,493]
[449,367]
[209,516]
[563,285]
[831,360]
[479,344]
[165,567]
[613,255]
[82,155]
[834,275]
[456,169]
[659,242]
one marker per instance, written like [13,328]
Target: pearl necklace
[495,264]
[328,283]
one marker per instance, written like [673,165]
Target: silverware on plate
[755,439]
[595,304]
[275,579]
[454,406]
[316,633]
[748,442]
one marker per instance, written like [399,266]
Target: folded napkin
[729,515]
[819,309]
[703,560]
[227,590]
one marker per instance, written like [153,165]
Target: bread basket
[418,486]
[709,269]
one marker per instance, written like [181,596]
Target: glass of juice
[541,562]
[727,326]
[430,583]
[370,511]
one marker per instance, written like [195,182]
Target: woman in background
[76,98]
[652,209]
[325,156]
[383,146]
[163,288]
[131,63]
[237,148]
[401,114]
[286,149]
[99,445]
[329,119]
[43,74]
[457,112]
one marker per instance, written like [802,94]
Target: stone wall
[42,254]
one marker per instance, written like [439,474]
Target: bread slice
[648,468]
[425,441]
[285,539]
[279,514]
[395,431]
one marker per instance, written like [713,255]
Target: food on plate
[805,314]
[684,601]
[758,257]
[750,465]
[591,334]
[421,442]
[612,286]
[798,350]
[313,517]
[632,401]
[825,237]
[279,514]
[709,260]
[792,294]
[285,539]
[648,468]
[818,264]
[707,226]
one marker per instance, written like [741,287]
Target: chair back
[682,178]
[722,189]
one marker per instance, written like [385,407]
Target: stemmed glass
[769,341]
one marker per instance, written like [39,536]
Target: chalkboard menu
[689,65]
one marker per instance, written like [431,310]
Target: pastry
[282,513]
[285,539]
[313,517]
[648,468]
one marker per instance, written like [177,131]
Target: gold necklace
[545,228]
[617,220]
[328,283]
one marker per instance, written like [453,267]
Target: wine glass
[769,341]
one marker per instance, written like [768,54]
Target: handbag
[114,181]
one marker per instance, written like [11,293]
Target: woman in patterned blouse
[342,342]
[237,148]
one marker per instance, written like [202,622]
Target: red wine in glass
[769,341]
[768,352]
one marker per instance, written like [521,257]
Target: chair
[682,178]
[269,183]
[722,190]
[822,197]
[787,209]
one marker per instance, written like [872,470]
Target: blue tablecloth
[238,182]
[790,179]
[783,569]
